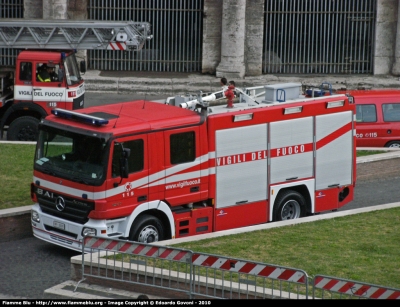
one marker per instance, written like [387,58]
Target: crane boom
[73,34]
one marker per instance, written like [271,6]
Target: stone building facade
[233,33]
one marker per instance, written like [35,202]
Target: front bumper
[63,232]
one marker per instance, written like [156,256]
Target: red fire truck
[25,97]
[147,171]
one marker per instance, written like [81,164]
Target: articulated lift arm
[73,34]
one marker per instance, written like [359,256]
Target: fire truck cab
[147,172]
[46,73]
[378,117]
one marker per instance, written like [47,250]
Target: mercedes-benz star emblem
[60,203]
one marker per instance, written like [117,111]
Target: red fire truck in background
[378,117]
[24,97]
[146,171]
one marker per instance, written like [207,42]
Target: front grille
[75,210]
[66,233]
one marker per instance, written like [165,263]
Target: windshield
[71,70]
[71,156]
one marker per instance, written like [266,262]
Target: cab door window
[182,147]
[25,71]
[135,159]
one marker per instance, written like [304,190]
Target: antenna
[120,110]
[144,101]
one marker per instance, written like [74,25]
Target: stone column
[212,24]
[254,37]
[77,10]
[396,65]
[232,64]
[55,9]
[385,36]
[33,9]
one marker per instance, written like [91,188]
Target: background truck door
[23,84]
[51,94]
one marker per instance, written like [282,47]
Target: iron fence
[177,41]
[10,9]
[330,37]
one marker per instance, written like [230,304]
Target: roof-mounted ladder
[73,34]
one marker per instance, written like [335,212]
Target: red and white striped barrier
[253,268]
[139,249]
[354,288]
[116,46]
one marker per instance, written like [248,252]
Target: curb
[171,84]
[91,292]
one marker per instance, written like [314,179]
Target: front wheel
[24,128]
[393,144]
[289,205]
[146,229]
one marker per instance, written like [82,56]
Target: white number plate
[59,225]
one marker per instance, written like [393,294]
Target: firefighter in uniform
[230,94]
[43,75]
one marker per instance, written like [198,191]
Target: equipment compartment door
[292,150]
[241,165]
[334,137]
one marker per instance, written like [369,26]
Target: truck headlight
[88,232]
[35,216]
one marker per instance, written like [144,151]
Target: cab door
[23,81]
[48,94]
[369,126]
[125,194]
[182,166]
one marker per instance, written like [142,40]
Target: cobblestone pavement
[378,170]
[21,277]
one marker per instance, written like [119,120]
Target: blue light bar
[83,118]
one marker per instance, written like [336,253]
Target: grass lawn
[363,247]
[16,172]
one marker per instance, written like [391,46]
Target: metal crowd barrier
[200,275]
[136,263]
[217,276]
[327,287]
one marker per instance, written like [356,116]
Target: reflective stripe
[43,80]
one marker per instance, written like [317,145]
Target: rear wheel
[146,229]
[24,128]
[288,206]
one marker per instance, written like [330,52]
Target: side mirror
[82,66]
[60,74]
[124,163]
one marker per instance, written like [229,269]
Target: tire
[146,229]
[289,205]
[24,128]
[393,144]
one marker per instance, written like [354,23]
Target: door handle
[142,198]
[194,189]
